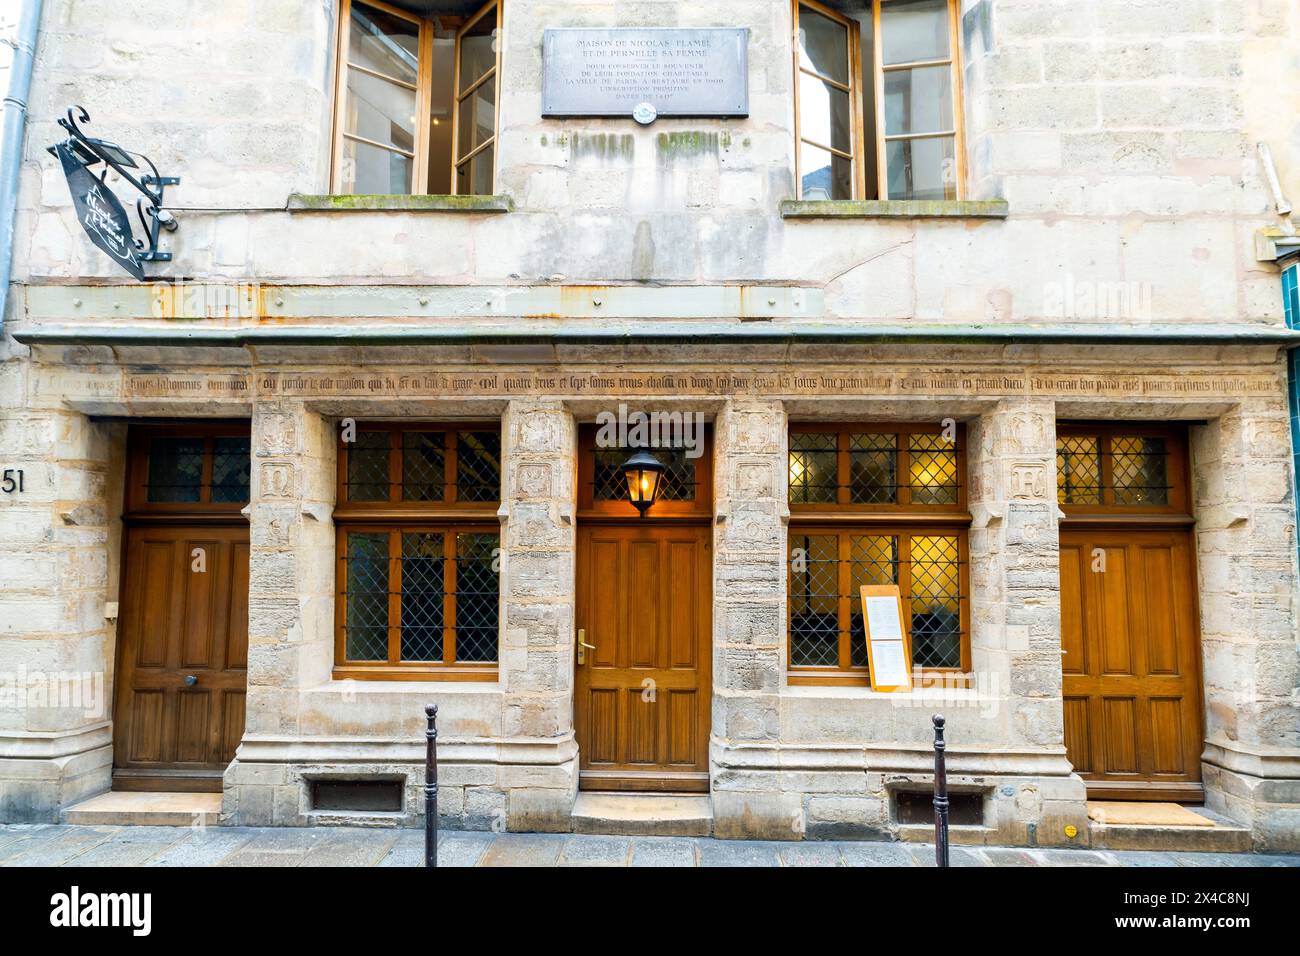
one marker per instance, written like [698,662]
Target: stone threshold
[145,808]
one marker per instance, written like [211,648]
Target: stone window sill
[302,202]
[894,209]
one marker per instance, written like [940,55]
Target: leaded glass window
[1117,467]
[875,468]
[420,595]
[209,466]
[419,551]
[389,464]
[828,568]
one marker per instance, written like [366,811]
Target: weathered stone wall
[1245,508]
[1121,132]
[61,536]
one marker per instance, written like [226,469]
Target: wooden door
[184,615]
[1131,662]
[641,699]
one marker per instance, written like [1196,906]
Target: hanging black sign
[98,209]
[100,213]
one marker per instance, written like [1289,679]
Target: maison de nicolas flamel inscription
[646,72]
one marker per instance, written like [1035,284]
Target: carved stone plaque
[677,72]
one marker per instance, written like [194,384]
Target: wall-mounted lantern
[643,472]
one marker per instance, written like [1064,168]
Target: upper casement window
[878,100]
[416,104]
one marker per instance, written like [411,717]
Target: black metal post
[940,795]
[431,787]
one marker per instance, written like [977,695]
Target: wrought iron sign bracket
[98,208]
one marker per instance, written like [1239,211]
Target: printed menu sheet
[888,647]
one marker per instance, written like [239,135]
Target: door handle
[191,680]
[583,646]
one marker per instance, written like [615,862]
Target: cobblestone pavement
[334,846]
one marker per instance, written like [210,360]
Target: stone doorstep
[643,814]
[1131,825]
[142,808]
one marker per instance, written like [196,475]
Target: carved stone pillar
[537,574]
[749,619]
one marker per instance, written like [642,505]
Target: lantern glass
[643,486]
[642,472]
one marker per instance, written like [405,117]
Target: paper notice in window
[890,663]
[882,619]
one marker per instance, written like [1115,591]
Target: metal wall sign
[100,214]
[645,73]
[98,209]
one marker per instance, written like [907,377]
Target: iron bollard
[431,787]
[940,796]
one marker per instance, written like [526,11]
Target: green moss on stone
[895,209]
[302,202]
[685,143]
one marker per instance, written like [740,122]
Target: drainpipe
[11,145]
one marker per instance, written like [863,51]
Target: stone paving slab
[360,847]
[664,851]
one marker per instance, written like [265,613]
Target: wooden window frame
[845,674]
[878,71]
[857,132]
[449,669]
[953,61]
[395,516]
[888,511]
[1177,473]
[459,95]
[904,520]
[423,90]
[395,508]
[139,438]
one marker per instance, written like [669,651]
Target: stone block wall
[58,552]
[1122,133]
[1248,591]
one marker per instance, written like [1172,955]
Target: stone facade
[1120,133]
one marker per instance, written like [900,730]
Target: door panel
[1131,662]
[641,704]
[177,622]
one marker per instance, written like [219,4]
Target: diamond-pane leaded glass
[873,560]
[933,470]
[814,600]
[477,588]
[935,600]
[873,469]
[478,466]
[677,484]
[422,595]
[424,457]
[368,467]
[1078,469]
[175,469]
[230,468]
[1139,471]
[366,624]
[813,474]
